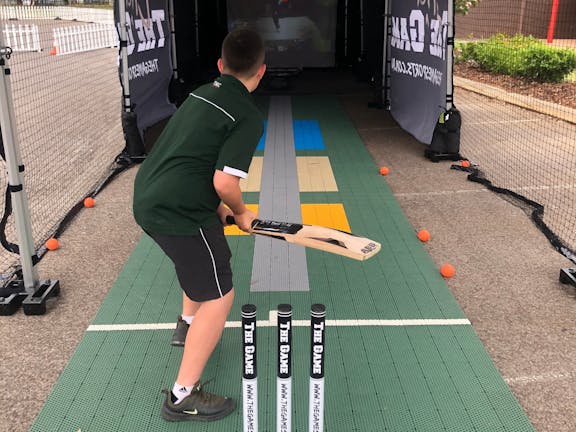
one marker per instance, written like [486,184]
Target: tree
[463,6]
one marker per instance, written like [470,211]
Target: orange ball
[384,170]
[89,202]
[466,163]
[447,270]
[423,235]
[52,244]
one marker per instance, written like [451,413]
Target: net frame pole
[385,56]
[15,168]
[173,40]
[450,56]
[196,28]
[345,30]
[123,36]
[362,25]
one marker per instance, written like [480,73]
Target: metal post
[362,29]
[450,57]
[553,19]
[28,292]
[522,14]
[123,34]
[173,33]
[386,61]
[196,28]
[345,30]
[15,179]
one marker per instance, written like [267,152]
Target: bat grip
[231,221]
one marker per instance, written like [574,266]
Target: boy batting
[183,192]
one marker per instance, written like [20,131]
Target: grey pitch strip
[277,265]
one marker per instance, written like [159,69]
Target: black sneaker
[179,335]
[197,406]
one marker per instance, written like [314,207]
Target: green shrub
[464,52]
[548,64]
[521,56]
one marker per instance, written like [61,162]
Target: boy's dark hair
[243,52]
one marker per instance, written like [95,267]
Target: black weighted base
[438,156]
[14,295]
[568,276]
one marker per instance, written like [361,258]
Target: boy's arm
[227,187]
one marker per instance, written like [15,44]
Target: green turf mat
[378,377]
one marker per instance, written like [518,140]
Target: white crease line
[548,377]
[295,323]
[466,191]
[555,187]
[128,327]
[432,193]
[491,122]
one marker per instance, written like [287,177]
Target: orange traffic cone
[54,50]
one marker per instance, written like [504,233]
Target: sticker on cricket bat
[317,237]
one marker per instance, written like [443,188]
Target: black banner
[149,61]
[417,53]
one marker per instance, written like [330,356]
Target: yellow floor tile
[315,174]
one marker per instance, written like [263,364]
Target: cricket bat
[316,237]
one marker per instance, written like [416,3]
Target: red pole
[553,18]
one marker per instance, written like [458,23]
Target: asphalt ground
[506,280]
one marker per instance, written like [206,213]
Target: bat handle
[231,221]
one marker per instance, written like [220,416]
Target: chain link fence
[515,77]
[67,102]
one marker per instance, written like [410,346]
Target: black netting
[67,102]
[515,78]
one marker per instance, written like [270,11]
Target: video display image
[297,33]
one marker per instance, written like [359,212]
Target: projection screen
[297,33]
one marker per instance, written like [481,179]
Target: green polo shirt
[217,128]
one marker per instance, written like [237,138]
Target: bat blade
[318,237]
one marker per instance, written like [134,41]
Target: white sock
[187,318]
[179,392]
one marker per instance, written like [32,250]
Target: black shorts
[202,262]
